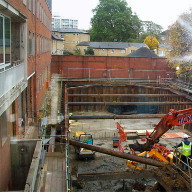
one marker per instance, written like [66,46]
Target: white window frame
[161,53]
[102,50]
[66,34]
[4,64]
[122,50]
[112,50]
[73,41]
[77,41]
[73,34]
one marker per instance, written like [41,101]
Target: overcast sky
[163,12]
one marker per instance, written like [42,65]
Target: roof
[168,46]
[69,30]
[110,45]
[143,52]
[53,36]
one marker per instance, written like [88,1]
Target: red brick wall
[106,67]
[39,62]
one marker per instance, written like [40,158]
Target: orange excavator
[151,148]
[172,118]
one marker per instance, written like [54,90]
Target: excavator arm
[172,118]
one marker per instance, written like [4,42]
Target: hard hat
[185,136]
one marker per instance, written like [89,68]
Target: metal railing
[187,165]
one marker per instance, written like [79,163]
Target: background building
[25,58]
[110,48]
[72,37]
[60,22]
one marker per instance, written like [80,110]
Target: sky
[164,12]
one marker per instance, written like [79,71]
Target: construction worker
[185,151]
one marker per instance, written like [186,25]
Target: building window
[102,50]
[40,12]
[66,41]
[37,44]
[73,41]
[77,34]
[30,5]
[37,9]
[33,7]
[132,51]
[25,2]
[5,37]
[123,51]
[162,37]
[73,49]
[162,53]
[73,34]
[3,126]
[112,50]
[66,48]
[33,43]
[77,41]
[66,34]
[62,35]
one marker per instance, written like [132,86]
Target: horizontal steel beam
[126,95]
[144,160]
[83,86]
[127,103]
[85,177]
[143,116]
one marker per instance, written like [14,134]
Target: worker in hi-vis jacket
[185,151]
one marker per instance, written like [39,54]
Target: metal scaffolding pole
[126,95]
[73,117]
[128,103]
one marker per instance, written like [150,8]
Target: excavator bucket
[137,146]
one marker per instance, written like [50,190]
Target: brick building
[25,58]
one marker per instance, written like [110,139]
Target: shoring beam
[83,86]
[145,116]
[126,95]
[136,158]
[85,177]
[127,103]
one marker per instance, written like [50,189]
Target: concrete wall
[21,157]
[106,67]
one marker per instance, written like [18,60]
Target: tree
[181,43]
[77,51]
[151,27]
[89,51]
[114,21]
[151,42]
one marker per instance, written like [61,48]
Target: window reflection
[7,41]
[1,41]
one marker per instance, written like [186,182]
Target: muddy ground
[106,163]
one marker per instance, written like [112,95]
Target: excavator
[151,148]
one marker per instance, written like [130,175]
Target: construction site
[106,134]
[104,111]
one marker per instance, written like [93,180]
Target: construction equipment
[172,118]
[82,153]
[115,141]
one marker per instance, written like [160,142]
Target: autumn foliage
[151,42]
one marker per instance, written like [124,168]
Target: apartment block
[60,22]
[72,37]
[25,58]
